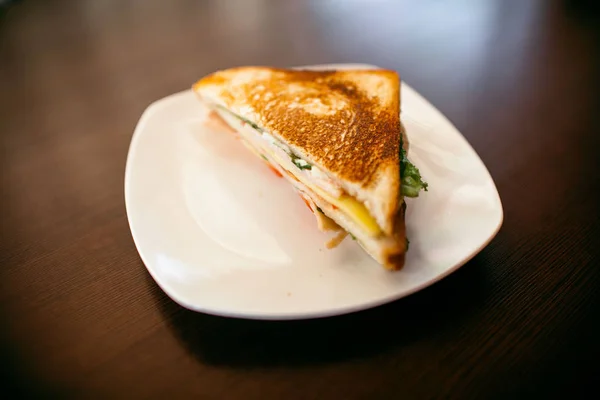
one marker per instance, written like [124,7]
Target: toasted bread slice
[346,122]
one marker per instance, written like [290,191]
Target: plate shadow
[251,343]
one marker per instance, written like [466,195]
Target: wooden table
[80,316]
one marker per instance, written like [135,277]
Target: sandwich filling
[309,180]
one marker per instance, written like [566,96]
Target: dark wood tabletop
[80,317]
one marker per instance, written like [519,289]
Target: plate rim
[330,311]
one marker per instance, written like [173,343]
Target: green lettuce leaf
[300,163]
[412,183]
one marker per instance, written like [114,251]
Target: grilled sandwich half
[336,136]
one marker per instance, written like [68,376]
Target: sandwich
[336,136]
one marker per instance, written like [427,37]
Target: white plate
[222,235]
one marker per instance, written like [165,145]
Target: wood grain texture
[81,318]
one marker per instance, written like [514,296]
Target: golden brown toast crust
[360,136]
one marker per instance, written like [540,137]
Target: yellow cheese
[352,208]
[348,205]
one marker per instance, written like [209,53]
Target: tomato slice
[306,202]
[274,170]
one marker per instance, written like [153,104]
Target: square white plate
[222,235]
